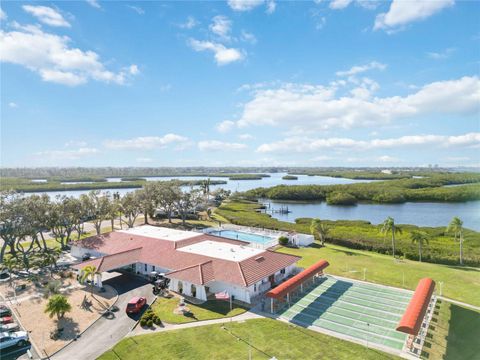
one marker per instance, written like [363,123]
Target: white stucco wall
[302,239]
[240,293]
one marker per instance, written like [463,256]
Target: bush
[341,198]
[149,323]
[283,240]
[143,322]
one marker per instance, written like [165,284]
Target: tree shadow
[349,253]
[462,338]
[71,329]
[463,268]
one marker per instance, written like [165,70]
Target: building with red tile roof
[197,264]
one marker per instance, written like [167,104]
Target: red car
[135,305]
[6,320]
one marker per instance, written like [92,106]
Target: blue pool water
[238,235]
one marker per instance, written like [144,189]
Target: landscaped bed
[212,309]
[264,338]
[31,304]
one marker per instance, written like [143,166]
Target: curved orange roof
[296,280]
[413,316]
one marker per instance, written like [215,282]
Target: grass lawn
[453,334]
[268,338]
[212,309]
[458,282]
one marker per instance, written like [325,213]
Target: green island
[290,177]
[433,188]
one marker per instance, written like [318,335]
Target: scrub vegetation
[441,247]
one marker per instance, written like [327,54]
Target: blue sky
[326,83]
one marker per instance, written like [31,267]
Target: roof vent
[260,258]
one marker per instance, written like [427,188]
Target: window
[282,271]
[146,267]
[153,267]
[255,287]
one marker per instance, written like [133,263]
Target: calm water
[422,214]
[232,185]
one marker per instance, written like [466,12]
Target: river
[418,213]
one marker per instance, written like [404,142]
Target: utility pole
[441,287]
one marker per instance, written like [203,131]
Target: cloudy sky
[324,83]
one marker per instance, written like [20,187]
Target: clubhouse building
[198,265]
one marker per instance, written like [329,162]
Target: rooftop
[220,250]
[161,233]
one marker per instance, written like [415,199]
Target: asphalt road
[107,332]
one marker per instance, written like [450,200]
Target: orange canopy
[298,279]
[413,316]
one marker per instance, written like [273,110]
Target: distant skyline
[240,83]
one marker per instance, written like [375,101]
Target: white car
[19,338]
[9,327]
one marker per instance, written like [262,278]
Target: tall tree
[388,226]
[63,218]
[148,198]
[186,202]
[168,193]
[12,219]
[420,238]
[320,229]
[456,226]
[131,207]
[97,204]
[88,273]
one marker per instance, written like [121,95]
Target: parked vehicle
[19,338]
[5,311]
[6,320]
[86,257]
[135,305]
[9,327]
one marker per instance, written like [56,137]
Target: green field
[213,309]
[459,283]
[453,334]
[265,338]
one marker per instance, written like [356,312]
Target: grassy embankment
[264,338]
[433,188]
[348,262]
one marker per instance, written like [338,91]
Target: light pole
[441,287]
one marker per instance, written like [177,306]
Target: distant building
[198,265]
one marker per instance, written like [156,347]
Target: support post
[271,305]
[288,299]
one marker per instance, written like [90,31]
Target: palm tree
[456,226]
[89,272]
[420,238]
[320,229]
[389,226]
[57,305]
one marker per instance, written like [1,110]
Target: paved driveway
[107,332]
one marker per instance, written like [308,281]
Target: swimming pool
[239,235]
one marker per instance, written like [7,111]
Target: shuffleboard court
[366,312]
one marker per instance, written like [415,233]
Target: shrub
[149,323]
[283,240]
[143,321]
[341,198]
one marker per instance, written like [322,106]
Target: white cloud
[339,4]
[441,55]
[222,54]
[190,23]
[305,107]
[13,105]
[51,56]
[374,65]
[133,69]
[225,126]
[215,145]
[67,154]
[146,142]
[403,12]
[248,37]
[3,15]
[221,26]
[46,15]
[76,143]
[302,144]
[245,137]
[244,5]
[388,159]
[94,3]
[137,9]
[271,6]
